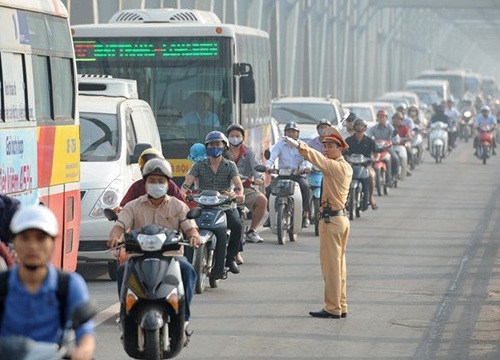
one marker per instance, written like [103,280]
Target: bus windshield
[187,81]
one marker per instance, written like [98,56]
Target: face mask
[235,141]
[321,131]
[215,152]
[156,191]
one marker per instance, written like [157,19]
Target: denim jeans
[188,279]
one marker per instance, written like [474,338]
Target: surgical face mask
[157,191]
[321,131]
[215,151]
[235,140]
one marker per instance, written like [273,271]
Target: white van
[442,87]
[115,127]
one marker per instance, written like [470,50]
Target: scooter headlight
[151,242]
[285,172]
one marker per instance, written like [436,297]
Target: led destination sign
[92,50]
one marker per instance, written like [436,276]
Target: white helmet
[485,108]
[157,166]
[34,217]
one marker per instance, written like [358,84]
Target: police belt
[328,213]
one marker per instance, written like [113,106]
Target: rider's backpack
[61,293]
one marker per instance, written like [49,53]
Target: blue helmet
[197,152]
[216,136]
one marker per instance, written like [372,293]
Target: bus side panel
[59,173]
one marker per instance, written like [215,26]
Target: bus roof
[429,82]
[52,7]
[155,30]
[461,72]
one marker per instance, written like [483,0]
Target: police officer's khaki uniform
[337,174]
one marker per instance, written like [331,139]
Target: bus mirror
[247,90]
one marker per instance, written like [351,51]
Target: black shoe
[324,314]
[233,266]
[343,316]
[267,223]
[306,222]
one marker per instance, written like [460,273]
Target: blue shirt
[36,315]
[481,120]
[316,144]
[288,157]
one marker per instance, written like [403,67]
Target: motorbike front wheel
[317,204]
[359,201]
[152,346]
[280,224]
[350,202]
[378,182]
[200,267]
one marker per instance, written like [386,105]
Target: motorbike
[380,159]
[315,177]
[485,142]
[285,206]
[22,348]
[152,301]
[465,125]
[357,200]
[400,150]
[416,148]
[438,140]
[212,205]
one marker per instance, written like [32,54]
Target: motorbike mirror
[82,313]
[193,213]
[267,154]
[110,215]
[346,115]
[260,168]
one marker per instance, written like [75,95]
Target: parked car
[396,97]
[364,110]
[307,112]
[115,127]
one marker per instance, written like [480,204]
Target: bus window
[43,109]
[13,87]
[62,78]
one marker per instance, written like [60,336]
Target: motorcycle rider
[31,302]
[439,116]
[289,157]
[138,188]
[453,117]
[414,114]
[405,136]
[383,130]
[246,160]
[408,121]
[218,173]
[359,143]
[317,142]
[348,128]
[156,207]
[482,119]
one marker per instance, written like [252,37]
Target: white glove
[292,142]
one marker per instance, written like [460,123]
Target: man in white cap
[32,307]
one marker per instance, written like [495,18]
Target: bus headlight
[110,198]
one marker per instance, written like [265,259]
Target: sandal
[374,206]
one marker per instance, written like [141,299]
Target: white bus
[39,131]
[180,58]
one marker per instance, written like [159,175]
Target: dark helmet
[235,127]
[324,122]
[157,166]
[351,117]
[215,136]
[360,121]
[397,114]
[292,126]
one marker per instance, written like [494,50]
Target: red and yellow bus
[39,131]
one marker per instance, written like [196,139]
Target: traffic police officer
[334,226]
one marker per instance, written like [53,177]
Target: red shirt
[403,131]
[139,188]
